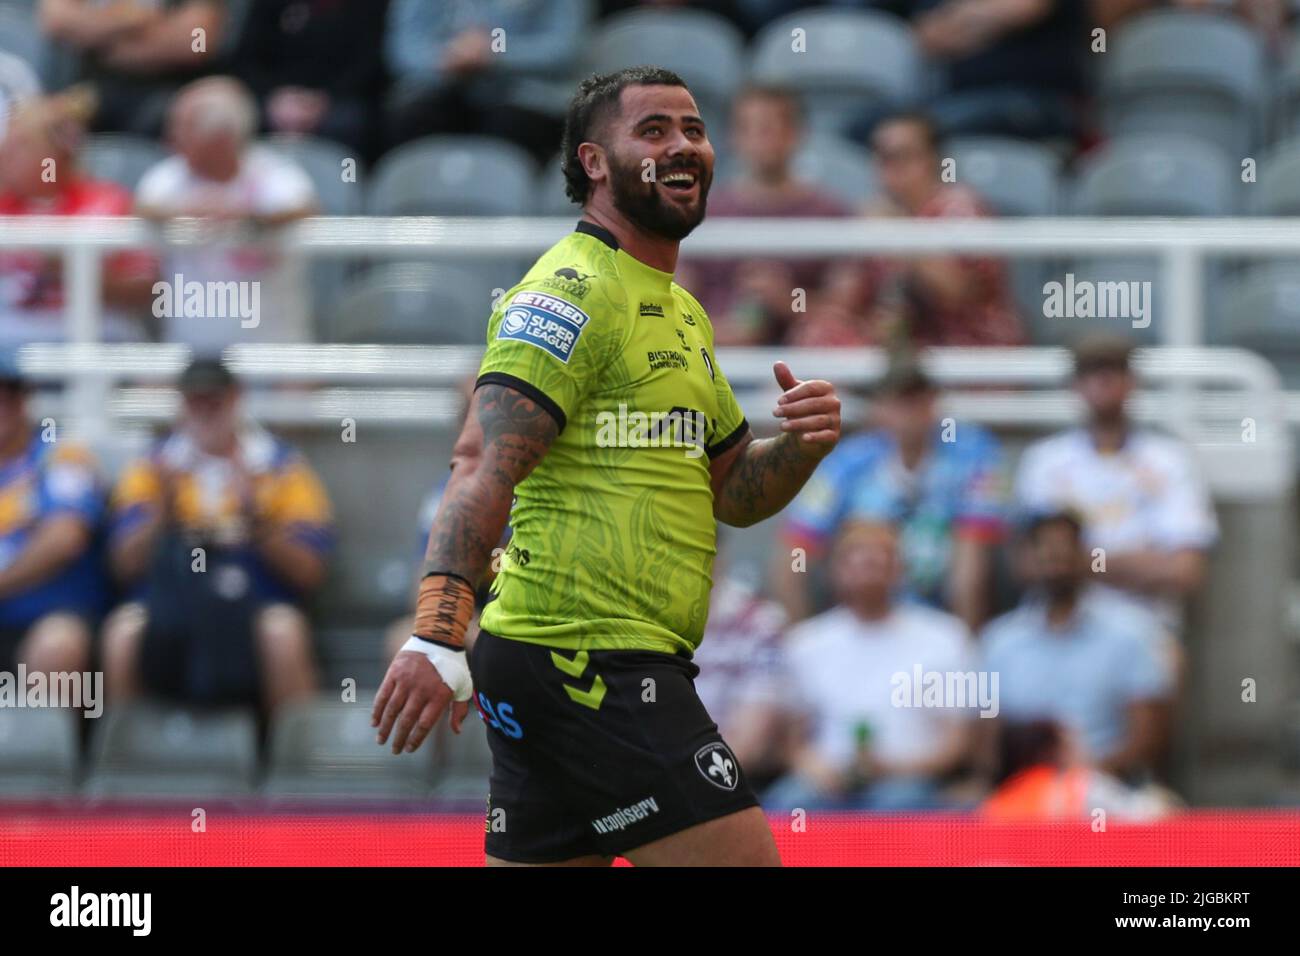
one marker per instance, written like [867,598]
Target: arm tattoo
[763,480]
[515,433]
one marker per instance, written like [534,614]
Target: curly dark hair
[590,107]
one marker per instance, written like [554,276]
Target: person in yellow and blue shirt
[219,535]
[52,586]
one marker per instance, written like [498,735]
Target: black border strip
[731,440]
[524,388]
[600,232]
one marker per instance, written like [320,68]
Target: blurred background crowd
[1062,567]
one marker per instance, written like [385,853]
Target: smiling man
[582,668]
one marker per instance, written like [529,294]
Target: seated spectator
[136,53]
[1073,655]
[918,300]
[1039,780]
[741,680]
[1267,17]
[1141,496]
[452,76]
[219,175]
[316,68]
[751,302]
[219,536]
[39,177]
[52,589]
[1010,67]
[857,748]
[945,496]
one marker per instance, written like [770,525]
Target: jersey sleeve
[731,427]
[137,496]
[70,485]
[551,347]
[298,504]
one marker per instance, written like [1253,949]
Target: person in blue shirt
[940,481]
[52,586]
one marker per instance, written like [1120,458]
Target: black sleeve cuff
[527,389]
[730,441]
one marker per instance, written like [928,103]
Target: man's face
[1105,390]
[30,162]
[1056,559]
[908,416]
[906,164]
[211,418]
[765,133]
[658,131]
[865,563]
[209,153]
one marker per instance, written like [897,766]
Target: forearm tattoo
[515,433]
[766,476]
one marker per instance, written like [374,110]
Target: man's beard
[641,203]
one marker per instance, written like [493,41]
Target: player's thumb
[784,377]
[458,711]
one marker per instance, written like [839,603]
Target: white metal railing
[402,385]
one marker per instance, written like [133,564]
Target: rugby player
[582,667]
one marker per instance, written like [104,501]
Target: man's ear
[592,157]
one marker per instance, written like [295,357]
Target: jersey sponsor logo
[666,358]
[717,764]
[545,321]
[624,817]
[651,308]
[688,318]
[679,427]
[569,281]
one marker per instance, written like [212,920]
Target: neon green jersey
[614,534]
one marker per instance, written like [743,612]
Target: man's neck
[917,201]
[1061,607]
[1109,436]
[655,251]
[872,609]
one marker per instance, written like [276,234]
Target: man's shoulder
[1161,449]
[934,624]
[1063,444]
[817,632]
[1007,630]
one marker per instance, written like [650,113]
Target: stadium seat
[1156,175]
[1276,191]
[1016,177]
[452,176]
[464,760]
[843,169]
[706,50]
[120,157]
[1260,310]
[1286,94]
[1173,71]
[851,61]
[38,752]
[20,35]
[549,197]
[324,749]
[413,303]
[322,160]
[154,750]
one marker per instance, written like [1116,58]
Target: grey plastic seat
[707,51]
[414,303]
[1173,71]
[1015,177]
[452,176]
[322,160]
[120,157]
[841,168]
[157,750]
[548,193]
[1157,175]
[323,749]
[1260,310]
[852,60]
[38,752]
[1277,189]
[21,35]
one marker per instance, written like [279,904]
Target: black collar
[600,232]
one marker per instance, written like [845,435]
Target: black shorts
[598,752]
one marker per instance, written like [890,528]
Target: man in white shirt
[1141,496]
[869,739]
[218,175]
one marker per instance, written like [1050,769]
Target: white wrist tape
[450,665]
